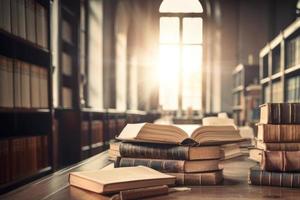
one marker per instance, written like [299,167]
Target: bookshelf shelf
[280,63]
[24,110]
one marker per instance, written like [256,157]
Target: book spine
[281,161]
[281,133]
[154,151]
[213,178]
[259,177]
[282,146]
[175,166]
[284,113]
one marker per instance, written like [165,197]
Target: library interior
[158,99]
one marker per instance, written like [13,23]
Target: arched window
[181,47]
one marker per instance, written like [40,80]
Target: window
[181,49]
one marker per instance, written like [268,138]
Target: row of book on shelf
[293,52]
[22,85]
[22,157]
[278,146]
[27,19]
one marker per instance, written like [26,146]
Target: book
[21,18]
[290,146]
[229,151]
[170,152]
[281,161]
[280,113]
[279,133]
[14,16]
[43,87]
[35,86]
[115,180]
[17,84]
[176,166]
[5,17]
[281,179]
[6,82]
[256,154]
[41,25]
[179,134]
[30,20]
[206,178]
[141,193]
[25,85]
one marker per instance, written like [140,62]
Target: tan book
[256,154]
[176,166]
[115,180]
[230,151]
[180,134]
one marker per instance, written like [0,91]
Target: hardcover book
[180,134]
[206,178]
[289,146]
[115,180]
[281,161]
[280,113]
[176,166]
[279,133]
[170,152]
[281,179]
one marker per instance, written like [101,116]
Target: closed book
[170,152]
[25,85]
[30,20]
[6,82]
[206,178]
[14,16]
[21,19]
[41,25]
[229,151]
[17,84]
[115,180]
[280,113]
[97,133]
[288,146]
[279,132]
[5,22]
[281,161]
[176,166]
[44,88]
[35,86]
[281,179]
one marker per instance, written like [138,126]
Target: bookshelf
[25,85]
[280,66]
[245,93]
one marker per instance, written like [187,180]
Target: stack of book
[189,152]
[279,145]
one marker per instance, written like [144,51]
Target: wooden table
[235,186]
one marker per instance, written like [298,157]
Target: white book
[25,85]
[43,88]
[21,19]
[17,84]
[30,21]
[35,86]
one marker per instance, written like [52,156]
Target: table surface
[235,186]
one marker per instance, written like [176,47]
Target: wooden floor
[235,186]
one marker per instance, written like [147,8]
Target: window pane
[191,85]
[192,30]
[169,29]
[184,6]
[169,80]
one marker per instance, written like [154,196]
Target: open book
[180,134]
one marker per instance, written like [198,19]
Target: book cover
[274,133]
[280,179]
[170,152]
[176,166]
[281,161]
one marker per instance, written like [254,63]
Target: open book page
[130,131]
[218,121]
[188,128]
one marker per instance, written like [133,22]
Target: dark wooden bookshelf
[245,82]
[25,140]
[280,66]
